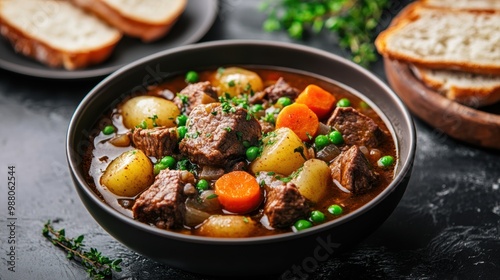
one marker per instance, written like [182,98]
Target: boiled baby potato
[312,181]
[283,153]
[128,174]
[236,81]
[227,226]
[151,110]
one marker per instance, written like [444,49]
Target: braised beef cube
[281,89]
[157,142]
[356,128]
[285,205]
[162,204]
[215,135]
[353,172]
[257,97]
[198,93]
[266,126]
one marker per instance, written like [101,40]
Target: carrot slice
[317,99]
[238,192]
[300,119]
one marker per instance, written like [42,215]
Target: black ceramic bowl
[290,253]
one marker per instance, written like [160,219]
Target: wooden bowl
[458,121]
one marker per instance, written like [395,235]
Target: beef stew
[226,158]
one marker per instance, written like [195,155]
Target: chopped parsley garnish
[142,125]
[153,119]
[269,117]
[212,196]
[262,183]
[184,98]
[239,135]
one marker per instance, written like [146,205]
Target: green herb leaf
[96,265]
[354,22]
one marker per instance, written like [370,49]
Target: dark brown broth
[101,154]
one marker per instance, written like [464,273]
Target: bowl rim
[89,98]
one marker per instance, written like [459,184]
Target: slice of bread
[474,90]
[148,20]
[56,33]
[444,39]
[471,5]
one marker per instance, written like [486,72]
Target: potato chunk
[283,153]
[236,81]
[312,181]
[128,174]
[227,226]
[151,110]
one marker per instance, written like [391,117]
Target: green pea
[363,105]
[202,185]
[181,120]
[256,108]
[169,162]
[252,153]
[192,77]
[344,102]
[109,129]
[302,224]
[385,161]
[336,137]
[335,209]
[317,216]
[181,130]
[158,167]
[284,101]
[321,141]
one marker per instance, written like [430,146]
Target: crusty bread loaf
[148,20]
[444,39]
[56,33]
[471,5]
[474,90]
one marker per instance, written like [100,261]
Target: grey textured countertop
[447,226]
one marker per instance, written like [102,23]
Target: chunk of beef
[266,126]
[162,204]
[281,89]
[157,142]
[274,92]
[285,205]
[352,171]
[356,128]
[198,93]
[215,135]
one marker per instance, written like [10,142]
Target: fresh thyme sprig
[96,265]
[353,21]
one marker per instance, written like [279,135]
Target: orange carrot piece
[238,192]
[300,119]
[317,99]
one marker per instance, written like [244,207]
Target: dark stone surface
[447,225]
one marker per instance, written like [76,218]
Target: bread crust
[477,6]
[473,95]
[52,56]
[146,31]
[410,15]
